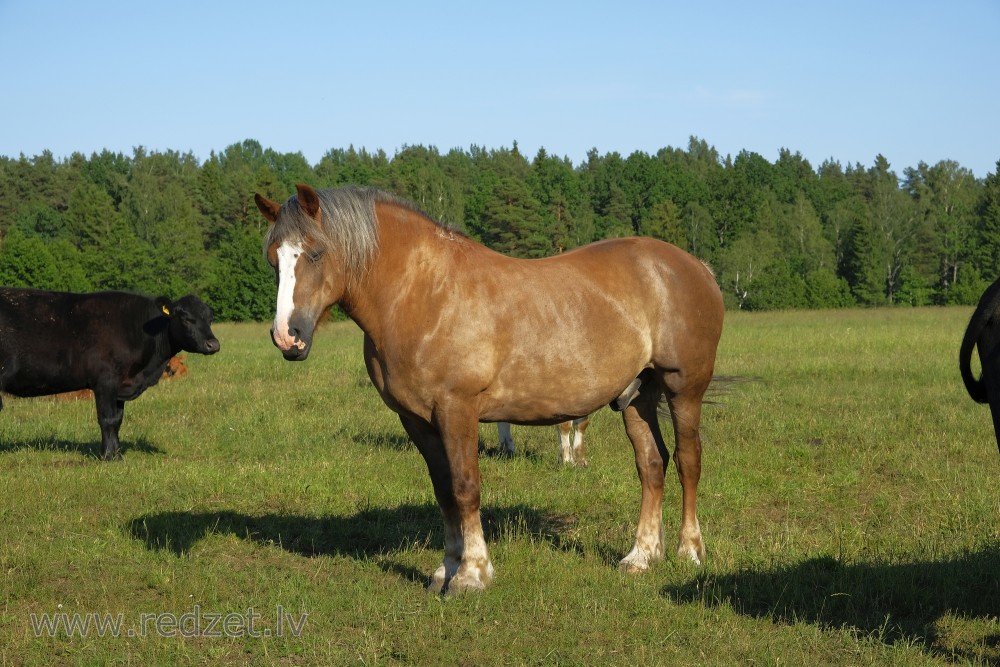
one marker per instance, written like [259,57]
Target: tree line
[778,234]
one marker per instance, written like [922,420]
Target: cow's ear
[269,208]
[309,201]
[163,303]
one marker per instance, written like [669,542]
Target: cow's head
[190,325]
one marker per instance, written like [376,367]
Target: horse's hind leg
[685,411]
[991,379]
[651,457]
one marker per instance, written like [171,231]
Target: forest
[779,235]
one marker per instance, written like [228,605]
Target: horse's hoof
[693,554]
[467,579]
[459,587]
[634,563]
[632,568]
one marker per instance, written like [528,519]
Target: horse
[569,453]
[642,320]
[983,333]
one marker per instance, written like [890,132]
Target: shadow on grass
[497,452]
[400,442]
[890,602]
[90,449]
[369,533]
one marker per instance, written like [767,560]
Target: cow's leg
[651,457]
[506,439]
[110,412]
[579,449]
[449,448]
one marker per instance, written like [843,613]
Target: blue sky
[915,81]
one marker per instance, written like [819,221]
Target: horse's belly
[543,398]
[535,414]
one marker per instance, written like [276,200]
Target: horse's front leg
[450,448]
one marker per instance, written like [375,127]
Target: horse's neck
[413,254]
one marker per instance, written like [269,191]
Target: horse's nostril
[293,333]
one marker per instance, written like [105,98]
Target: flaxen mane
[349,226]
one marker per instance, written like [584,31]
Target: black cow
[113,343]
[983,333]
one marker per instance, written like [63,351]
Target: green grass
[849,502]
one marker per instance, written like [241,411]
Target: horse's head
[309,279]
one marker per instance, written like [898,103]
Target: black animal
[113,343]
[983,333]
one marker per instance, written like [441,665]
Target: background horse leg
[993,394]
[450,452]
[506,439]
[579,450]
[685,411]
[651,457]
[565,448]
[575,453]
[991,379]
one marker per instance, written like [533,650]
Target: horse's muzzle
[293,347]
[296,353]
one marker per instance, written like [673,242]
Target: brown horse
[638,318]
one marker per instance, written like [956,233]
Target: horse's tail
[722,385]
[984,313]
[718,389]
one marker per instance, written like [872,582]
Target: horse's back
[675,293]
[623,264]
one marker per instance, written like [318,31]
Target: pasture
[849,502]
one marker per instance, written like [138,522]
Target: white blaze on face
[288,256]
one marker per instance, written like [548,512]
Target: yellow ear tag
[166,311]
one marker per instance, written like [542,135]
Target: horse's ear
[269,208]
[309,201]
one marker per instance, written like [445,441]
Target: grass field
[849,501]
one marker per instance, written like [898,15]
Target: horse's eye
[314,256]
